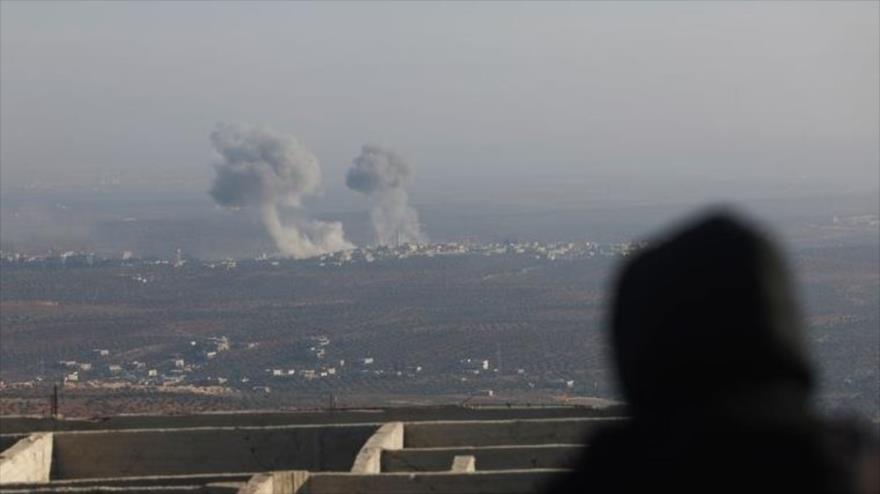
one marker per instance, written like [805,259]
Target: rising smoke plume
[383,175]
[266,169]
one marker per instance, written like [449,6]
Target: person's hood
[704,315]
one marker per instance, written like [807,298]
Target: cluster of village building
[100,367]
[549,251]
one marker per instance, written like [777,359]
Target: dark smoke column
[383,175]
[264,168]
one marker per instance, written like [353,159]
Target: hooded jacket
[708,351]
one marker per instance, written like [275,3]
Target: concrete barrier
[224,487]
[8,440]
[463,464]
[159,452]
[150,481]
[487,457]
[261,483]
[283,482]
[500,432]
[28,460]
[369,458]
[176,489]
[11,424]
[509,482]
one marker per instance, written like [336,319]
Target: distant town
[411,323]
[197,364]
[538,250]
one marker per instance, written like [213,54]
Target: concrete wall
[500,432]
[174,489]
[286,482]
[151,481]
[207,450]
[23,424]
[369,458]
[7,440]
[28,460]
[509,482]
[464,464]
[486,458]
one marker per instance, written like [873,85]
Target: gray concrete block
[131,482]
[282,482]
[50,489]
[510,482]
[28,460]
[500,432]
[369,458]
[8,440]
[463,464]
[487,457]
[224,487]
[208,450]
[261,483]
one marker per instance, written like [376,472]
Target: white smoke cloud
[264,168]
[383,175]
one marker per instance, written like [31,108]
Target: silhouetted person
[708,350]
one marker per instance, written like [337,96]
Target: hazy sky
[502,96]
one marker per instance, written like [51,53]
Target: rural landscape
[451,323]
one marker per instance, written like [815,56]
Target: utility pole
[53,404]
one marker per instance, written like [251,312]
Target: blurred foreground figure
[708,350]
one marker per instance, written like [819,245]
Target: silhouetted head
[706,314]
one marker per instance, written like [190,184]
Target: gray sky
[513,97]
